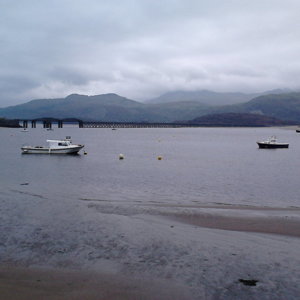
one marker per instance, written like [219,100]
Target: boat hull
[272,146]
[45,150]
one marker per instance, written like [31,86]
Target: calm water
[199,165]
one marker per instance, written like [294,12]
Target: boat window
[62,144]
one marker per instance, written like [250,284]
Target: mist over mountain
[107,107]
[210,97]
[115,108]
[281,106]
[238,119]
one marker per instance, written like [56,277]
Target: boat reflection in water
[54,147]
[272,143]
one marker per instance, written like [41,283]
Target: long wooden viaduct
[49,122]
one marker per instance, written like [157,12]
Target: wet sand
[47,284]
[59,284]
[118,250]
[273,225]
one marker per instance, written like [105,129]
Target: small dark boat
[271,143]
[298,130]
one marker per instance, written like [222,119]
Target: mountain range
[211,97]
[115,108]
[238,119]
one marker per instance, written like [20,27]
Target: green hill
[210,97]
[114,108]
[237,119]
[280,106]
[108,107]
[285,106]
[169,112]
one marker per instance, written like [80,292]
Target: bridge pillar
[47,124]
[25,123]
[33,124]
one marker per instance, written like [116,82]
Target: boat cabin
[59,143]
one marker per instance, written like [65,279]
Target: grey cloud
[139,48]
[16,84]
[70,76]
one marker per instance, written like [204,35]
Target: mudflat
[100,250]
[283,225]
[53,284]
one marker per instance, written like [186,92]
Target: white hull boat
[54,147]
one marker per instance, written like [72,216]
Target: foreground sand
[47,284]
[95,249]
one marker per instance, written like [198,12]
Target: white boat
[272,143]
[54,147]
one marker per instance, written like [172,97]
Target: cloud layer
[142,48]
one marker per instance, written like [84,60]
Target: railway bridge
[49,122]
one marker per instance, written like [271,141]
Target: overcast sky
[143,48]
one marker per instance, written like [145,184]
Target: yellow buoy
[121,156]
[159,157]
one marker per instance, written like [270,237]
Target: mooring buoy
[159,157]
[121,156]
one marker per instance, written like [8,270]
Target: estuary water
[141,217]
[199,166]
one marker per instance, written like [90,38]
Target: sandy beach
[49,284]
[134,251]
[282,224]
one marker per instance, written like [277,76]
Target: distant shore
[9,123]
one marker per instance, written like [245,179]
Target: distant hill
[114,108]
[281,106]
[168,112]
[210,97]
[107,107]
[238,119]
